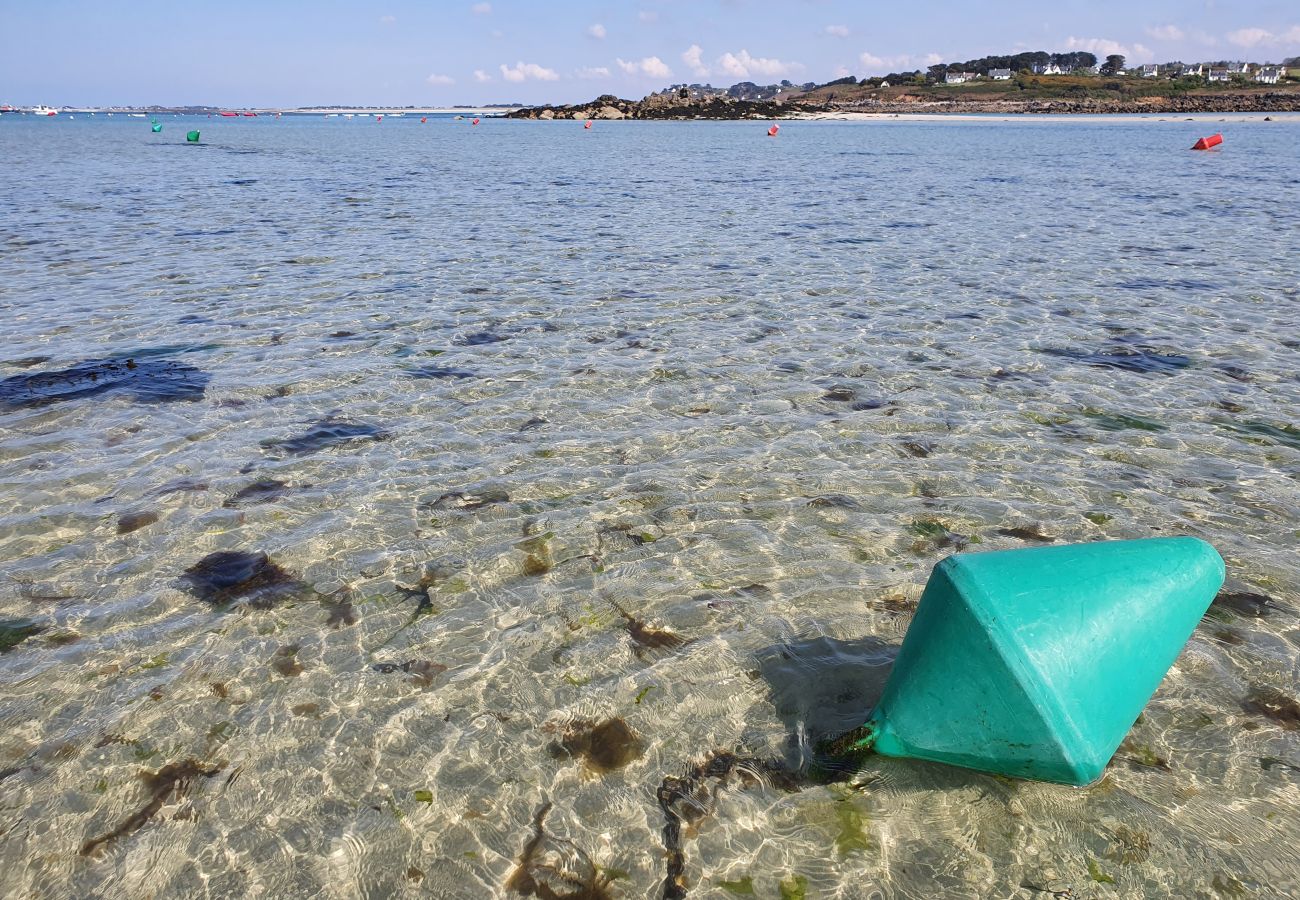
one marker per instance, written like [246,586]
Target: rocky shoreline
[662,107]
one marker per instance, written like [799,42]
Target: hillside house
[959,77]
[1049,69]
[1238,68]
[1150,70]
[1000,74]
[1187,71]
[1270,74]
[1219,75]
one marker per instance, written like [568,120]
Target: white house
[1000,74]
[959,77]
[1150,70]
[1270,74]
[1238,68]
[1186,71]
[1219,75]
[1049,69]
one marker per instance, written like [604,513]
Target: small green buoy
[192,137]
[157,127]
[1035,663]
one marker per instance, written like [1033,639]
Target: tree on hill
[1114,64]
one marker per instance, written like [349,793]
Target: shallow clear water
[747,389]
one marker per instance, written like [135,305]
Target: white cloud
[693,59]
[597,31]
[1107,47]
[873,63]
[498,33]
[647,17]
[387,20]
[441,79]
[650,67]
[593,73]
[481,77]
[481,9]
[523,71]
[842,72]
[840,31]
[1259,37]
[1250,37]
[742,65]
[932,59]
[1167,33]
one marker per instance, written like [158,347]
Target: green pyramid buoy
[157,127]
[192,137]
[1035,663]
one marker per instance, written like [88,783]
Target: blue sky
[293,52]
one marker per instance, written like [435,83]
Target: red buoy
[379,118]
[771,132]
[475,122]
[423,119]
[588,124]
[1206,143]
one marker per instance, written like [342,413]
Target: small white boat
[44,111]
[331,115]
[136,115]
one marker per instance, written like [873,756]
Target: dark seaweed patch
[1023,533]
[1129,359]
[1275,706]
[438,372]
[325,434]
[646,638]
[422,671]
[688,799]
[553,868]
[171,780]
[478,338]
[26,362]
[145,380]
[134,521]
[264,490]
[602,746]
[14,631]
[341,612]
[285,661]
[1248,604]
[230,575]
[833,501]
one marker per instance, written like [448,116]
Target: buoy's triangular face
[1035,663]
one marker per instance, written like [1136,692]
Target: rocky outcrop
[670,106]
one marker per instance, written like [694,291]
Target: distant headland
[1025,83]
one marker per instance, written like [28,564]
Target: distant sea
[382,504]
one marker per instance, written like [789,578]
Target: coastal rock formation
[674,106]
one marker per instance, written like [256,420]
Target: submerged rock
[134,521]
[264,490]
[479,338]
[1130,359]
[602,746]
[14,631]
[1275,706]
[145,380]
[324,434]
[470,501]
[230,575]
